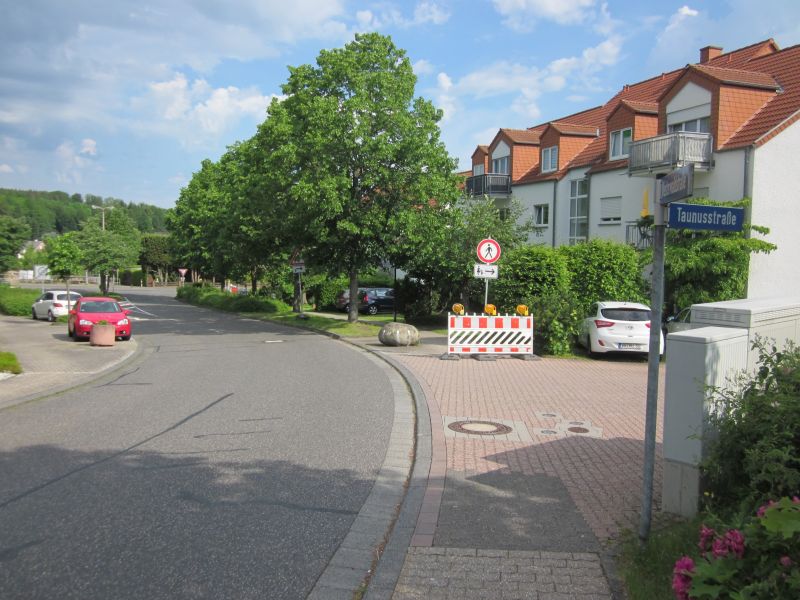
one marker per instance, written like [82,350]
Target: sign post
[298,268]
[488,252]
[182,271]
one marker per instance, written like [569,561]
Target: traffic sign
[489,250]
[703,216]
[483,271]
[677,185]
[298,268]
[183,272]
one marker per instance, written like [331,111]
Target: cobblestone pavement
[530,513]
[466,574]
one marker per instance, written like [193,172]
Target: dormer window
[620,143]
[500,165]
[702,125]
[550,159]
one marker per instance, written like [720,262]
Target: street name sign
[488,250]
[482,271]
[677,185]
[701,216]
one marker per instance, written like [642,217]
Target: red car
[89,310]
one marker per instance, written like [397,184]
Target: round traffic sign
[488,250]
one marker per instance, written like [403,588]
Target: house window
[620,143]
[694,126]
[477,169]
[611,210]
[541,215]
[550,159]
[500,165]
[578,211]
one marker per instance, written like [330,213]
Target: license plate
[630,346]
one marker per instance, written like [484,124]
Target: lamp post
[102,210]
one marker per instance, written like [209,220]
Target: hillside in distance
[59,212]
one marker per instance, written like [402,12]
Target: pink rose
[682,577]
[706,535]
[735,542]
[785,561]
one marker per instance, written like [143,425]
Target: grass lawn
[9,363]
[339,327]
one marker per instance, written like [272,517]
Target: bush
[220,300]
[324,289]
[529,273]
[17,301]
[604,270]
[754,453]
[758,559]
[9,363]
[556,322]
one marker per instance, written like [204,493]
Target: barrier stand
[486,337]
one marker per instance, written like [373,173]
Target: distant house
[36,245]
[592,174]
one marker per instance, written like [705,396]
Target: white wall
[500,151]
[692,102]
[726,180]
[530,195]
[617,183]
[776,182]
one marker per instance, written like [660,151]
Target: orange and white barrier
[483,334]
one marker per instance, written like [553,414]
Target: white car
[618,327]
[53,304]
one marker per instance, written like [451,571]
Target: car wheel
[33,314]
[125,338]
[347,308]
[50,316]
[373,310]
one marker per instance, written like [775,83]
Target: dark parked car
[342,301]
[376,300]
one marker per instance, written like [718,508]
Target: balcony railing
[491,184]
[666,152]
[637,235]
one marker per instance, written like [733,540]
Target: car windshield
[625,314]
[100,307]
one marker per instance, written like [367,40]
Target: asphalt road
[228,461]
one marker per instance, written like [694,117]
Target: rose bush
[759,561]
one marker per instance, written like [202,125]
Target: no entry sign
[488,250]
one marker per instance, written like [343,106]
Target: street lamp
[103,213]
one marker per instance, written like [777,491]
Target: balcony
[491,184]
[638,235]
[664,153]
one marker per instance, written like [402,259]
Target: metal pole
[486,294]
[653,360]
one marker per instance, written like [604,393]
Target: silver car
[53,304]
[617,327]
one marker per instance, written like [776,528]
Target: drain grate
[577,430]
[480,427]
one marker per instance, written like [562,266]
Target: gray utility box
[769,318]
[717,348]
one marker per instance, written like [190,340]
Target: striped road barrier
[489,335]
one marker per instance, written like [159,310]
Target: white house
[591,174]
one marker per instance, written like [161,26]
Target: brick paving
[578,422]
[602,470]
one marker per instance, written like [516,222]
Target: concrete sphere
[398,334]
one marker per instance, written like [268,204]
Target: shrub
[529,273]
[754,452]
[324,289]
[556,322]
[759,559]
[604,270]
[220,300]
[17,301]
[9,363]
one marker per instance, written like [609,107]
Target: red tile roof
[522,136]
[761,65]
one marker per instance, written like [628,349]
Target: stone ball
[398,334]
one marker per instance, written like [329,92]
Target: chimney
[709,53]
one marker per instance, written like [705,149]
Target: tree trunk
[254,282]
[352,314]
[103,283]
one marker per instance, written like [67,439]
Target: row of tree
[349,172]
[57,212]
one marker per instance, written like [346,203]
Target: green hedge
[9,363]
[214,298]
[17,301]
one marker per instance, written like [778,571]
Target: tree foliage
[155,254]
[13,234]
[107,250]
[64,255]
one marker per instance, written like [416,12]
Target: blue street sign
[701,216]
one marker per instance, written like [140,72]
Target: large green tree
[362,149]
[64,256]
[155,254]
[110,245]
[13,234]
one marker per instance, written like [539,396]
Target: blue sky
[125,98]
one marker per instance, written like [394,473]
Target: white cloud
[522,15]
[430,12]
[424,12]
[70,163]
[4,168]
[196,113]
[88,146]
[423,67]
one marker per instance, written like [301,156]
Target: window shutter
[611,209]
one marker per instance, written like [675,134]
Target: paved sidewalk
[50,360]
[532,512]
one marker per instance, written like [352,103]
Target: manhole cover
[480,427]
[577,430]
[549,432]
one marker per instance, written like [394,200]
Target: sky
[125,98]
